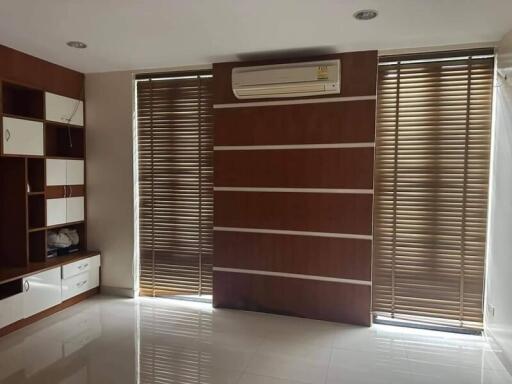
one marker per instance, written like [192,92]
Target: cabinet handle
[83,266]
[27,286]
[80,283]
[7,135]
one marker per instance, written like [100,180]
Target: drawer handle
[82,266]
[7,135]
[27,286]
[81,283]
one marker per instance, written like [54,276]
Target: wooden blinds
[175,154]
[432,169]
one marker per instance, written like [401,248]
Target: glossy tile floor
[112,340]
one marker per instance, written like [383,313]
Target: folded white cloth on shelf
[63,238]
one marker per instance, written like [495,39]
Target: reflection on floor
[112,340]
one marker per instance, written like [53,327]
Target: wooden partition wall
[293,197]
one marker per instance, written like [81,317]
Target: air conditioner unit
[287,80]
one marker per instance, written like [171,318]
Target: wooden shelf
[65,225]
[65,158]
[10,274]
[37,229]
[22,117]
[63,125]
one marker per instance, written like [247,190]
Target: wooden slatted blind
[175,166]
[432,169]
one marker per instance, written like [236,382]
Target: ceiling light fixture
[366,14]
[76,44]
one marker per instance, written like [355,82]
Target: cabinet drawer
[11,309]
[22,137]
[80,283]
[80,266]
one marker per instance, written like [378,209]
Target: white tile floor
[112,340]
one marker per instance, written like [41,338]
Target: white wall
[110,211]
[499,267]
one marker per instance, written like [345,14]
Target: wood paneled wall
[293,198]
[31,71]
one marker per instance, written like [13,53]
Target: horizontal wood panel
[28,70]
[298,168]
[358,74]
[320,300]
[326,212]
[60,191]
[340,122]
[340,258]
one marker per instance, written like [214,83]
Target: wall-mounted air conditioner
[287,80]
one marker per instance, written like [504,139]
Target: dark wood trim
[438,55]
[62,191]
[322,300]
[48,312]
[159,75]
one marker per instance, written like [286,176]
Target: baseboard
[119,291]
[498,350]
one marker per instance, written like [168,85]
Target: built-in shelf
[37,229]
[22,102]
[64,141]
[37,245]
[65,225]
[36,212]
[63,125]
[36,176]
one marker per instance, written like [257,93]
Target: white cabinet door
[22,137]
[64,109]
[56,212]
[74,209]
[56,172]
[74,172]
[64,172]
[41,291]
[11,309]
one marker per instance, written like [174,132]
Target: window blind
[431,185]
[175,174]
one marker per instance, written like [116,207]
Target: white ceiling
[136,34]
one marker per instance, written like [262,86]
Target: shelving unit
[24,191]
[42,189]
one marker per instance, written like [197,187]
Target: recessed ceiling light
[366,14]
[76,44]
